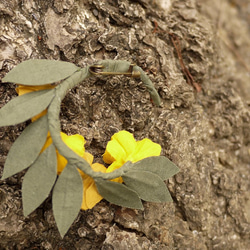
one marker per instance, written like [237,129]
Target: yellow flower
[123,147]
[74,142]
[22,89]
[90,194]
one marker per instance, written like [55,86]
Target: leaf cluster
[143,180]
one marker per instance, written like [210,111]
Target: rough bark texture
[206,134]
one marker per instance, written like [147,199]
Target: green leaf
[118,194]
[159,165]
[40,72]
[149,186]
[25,107]
[39,180]
[26,148]
[67,198]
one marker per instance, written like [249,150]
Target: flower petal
[88,158]
[118,179]
[39,115]
[97,167]
[113,151]
[74,142]
[126,140]
[144,148]
[47,143]
[61,163]
[91,196]
[122,144]
[115,165]
[86,184]
[22,89]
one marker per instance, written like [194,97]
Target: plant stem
[54,128]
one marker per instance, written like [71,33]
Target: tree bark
[184,46]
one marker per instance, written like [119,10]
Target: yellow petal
[118,179]
[88,158]
[63,136]
[112,149]
[39,115]
[86,183]
[122,144]
[92,196]
[61,163]
[74,142]
[47,143]
[126,140]
[115,165]
[144,148]
[23,89]
[97,167]
[84,204]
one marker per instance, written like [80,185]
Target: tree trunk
[197,55]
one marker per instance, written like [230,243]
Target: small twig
[176,42]
[155,28]
[190,80]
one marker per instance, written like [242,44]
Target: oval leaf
[67,198]
[40,72]
[149,186]
[25,107]
[39,180]
[26,148]
[159,165]
[118,194]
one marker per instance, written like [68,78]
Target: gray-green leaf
[149,186]
[118,194]
[26,148]
[67,198]
[159,165]
[39,180]
[25,107]
[40,72]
